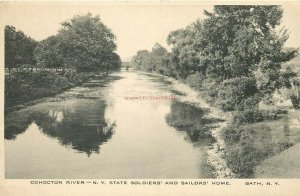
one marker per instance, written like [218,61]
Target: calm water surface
[93,132]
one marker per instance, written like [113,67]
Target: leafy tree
[184,57]
[18,48]
[48,53]
[141,59]
[158,55]
[243,39]
[154,61]
[113,61]
[234,93]
[235,42]
[87,44]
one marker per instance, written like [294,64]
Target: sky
[137,26]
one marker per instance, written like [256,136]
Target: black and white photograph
[132,90]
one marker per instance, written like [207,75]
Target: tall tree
[87,44]
[154,61]
[183,58]
[158,55]
[188,48]
[234,41]
[141,59]
[243,39]
[48,53]
[18,48]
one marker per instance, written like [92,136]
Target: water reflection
[192,120]
[140,145]
[15,125]
[81,126]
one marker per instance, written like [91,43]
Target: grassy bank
[25,86]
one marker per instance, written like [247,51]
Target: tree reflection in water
[83,126]
[192,120]
[14,125]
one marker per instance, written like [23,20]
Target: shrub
[295,101]
[195,80]
[234,92]
[250,103]
[209,90]
[231,134]
[274,114]
[247,147]
[248,116]
[23,86]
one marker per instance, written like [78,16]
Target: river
[96,131]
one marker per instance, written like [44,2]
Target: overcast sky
[136,26]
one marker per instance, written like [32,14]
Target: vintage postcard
[150,97]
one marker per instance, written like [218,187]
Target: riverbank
[242,147]
[216,151]
[27,88]
[245,139]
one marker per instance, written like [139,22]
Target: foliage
[234,42]
[154,61]
[18,48]
[185,51]
[48,53]
[25,86]
[126,65]
[83,43]
[234,92]
[295,101]
[248,116]
[195,80]
[251,102]
[274,114]
[247,146]
[231,134]
[87,44]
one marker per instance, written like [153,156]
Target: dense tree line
[83,43]
[18,48]
[235,54]
[234,57]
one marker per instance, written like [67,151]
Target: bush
[210,90]
[24,86]
[248,116]
[250,103]
[195,80]
[169,71]
[231,134]
[274,114]
[234,92]
[247,146]
[295,101]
